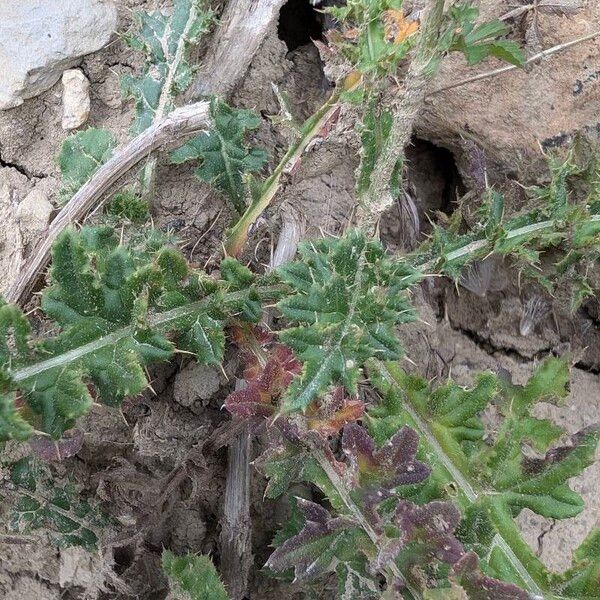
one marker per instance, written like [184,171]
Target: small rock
[76,99]
[39,40]
[80,568]
[33,214]
[196,382]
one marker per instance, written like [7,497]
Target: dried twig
[236,527]
[243,27]
[180,124]
[535,58]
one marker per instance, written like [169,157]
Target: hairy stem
[378,198]
[160,322]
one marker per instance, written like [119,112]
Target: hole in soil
[124,556]
[299,23]
[433,174]
[434,184]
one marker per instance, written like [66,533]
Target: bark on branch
[243,27]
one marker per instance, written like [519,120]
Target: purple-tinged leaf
[50,450]
[432,526]
[312,551]
[478,586]
[268,372]
[387,467]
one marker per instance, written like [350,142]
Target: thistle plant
[420,498]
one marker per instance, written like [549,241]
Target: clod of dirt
[40,40]
[33,214]
[511,115]
[196,383]
[13,188]
[76,99]
[28,587]
[81,569]
[187,529]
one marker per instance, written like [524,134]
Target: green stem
[378,196]
[484,245]
[160,322]
[236,237]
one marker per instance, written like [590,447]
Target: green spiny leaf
[223,152]
[166,40]
[130,206]
[115,306]
[12,425]
[39,502]
[82,155]
[348,299]
[193,577]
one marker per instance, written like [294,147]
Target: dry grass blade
[534,311]
[562,8]
[477,277]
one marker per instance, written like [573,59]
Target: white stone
[39,40]
[76,99]
[33,213]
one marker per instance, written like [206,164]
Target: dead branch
[535,58]
[242,28]
[236,526]
[168,132]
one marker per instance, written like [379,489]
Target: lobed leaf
[223,153]
[193,577]
[348,297]
[39,502]
[81,155]
[116,308]
[166,40]
[492,476]
[313,550]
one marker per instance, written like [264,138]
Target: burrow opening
[434,185]
[299,24]
[432,172]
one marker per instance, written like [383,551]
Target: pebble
[76,99]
